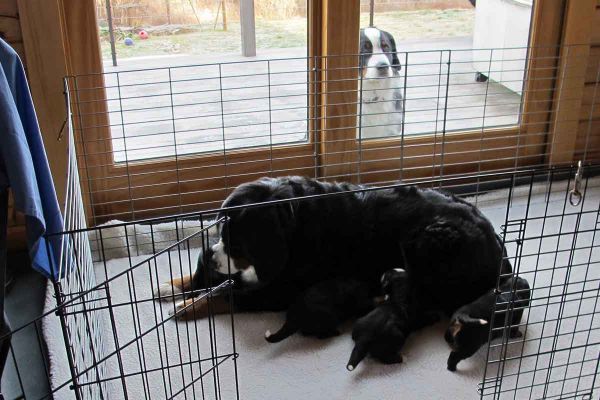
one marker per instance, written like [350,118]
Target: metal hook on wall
[67,110]
[575,194]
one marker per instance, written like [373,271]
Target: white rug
[307,368]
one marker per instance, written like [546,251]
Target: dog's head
[393,279]
[254,240]
[466,334]
[378,54]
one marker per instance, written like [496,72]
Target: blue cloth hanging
[24,166]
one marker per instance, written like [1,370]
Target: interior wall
[10,31]
[10,27]
[588,134]
[31,27]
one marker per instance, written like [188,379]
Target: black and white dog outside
[380,85]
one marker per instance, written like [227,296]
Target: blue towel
[24,166]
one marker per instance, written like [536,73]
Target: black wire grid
[120,342]
[554,245]
[173,115]
[550,242]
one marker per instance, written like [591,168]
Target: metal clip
[61,131]
[66,123]
[575,195]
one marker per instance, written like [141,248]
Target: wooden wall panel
[590,104]
[588,141]
[577,31]
[588,132]
[339,88]
[593,67]
[546,32]
[10,28]
[10,31]
[596,32]
[46,69]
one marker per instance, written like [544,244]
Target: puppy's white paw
[178,311]
[350,367]
[267,334]
[166,290]
[249,275]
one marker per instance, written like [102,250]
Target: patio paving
[161,106]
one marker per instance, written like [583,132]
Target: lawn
[276,34]
[424,24]
[205,40]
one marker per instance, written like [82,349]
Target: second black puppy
[469,326]
[321,308]
[383,331]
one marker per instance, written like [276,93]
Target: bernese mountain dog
[283,235]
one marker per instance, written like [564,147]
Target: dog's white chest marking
[221,259]
[249,275]
[225,264]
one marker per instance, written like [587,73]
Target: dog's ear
[396,65]
[454,329]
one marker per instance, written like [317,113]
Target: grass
[278,34]
[424,24]
[269,35]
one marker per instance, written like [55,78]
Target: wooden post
[248,28]
[168,5]
[224,10]
[111,33]
[541,73]
[339,96]
[570,83]
[194,11]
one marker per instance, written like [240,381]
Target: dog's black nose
[382,66]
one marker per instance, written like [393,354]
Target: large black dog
[280,250]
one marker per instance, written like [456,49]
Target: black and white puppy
[380,85]
[320,309]
[469,326]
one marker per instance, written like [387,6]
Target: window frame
[333,31]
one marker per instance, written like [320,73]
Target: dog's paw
[166,291]
[190,309]
[178,310]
